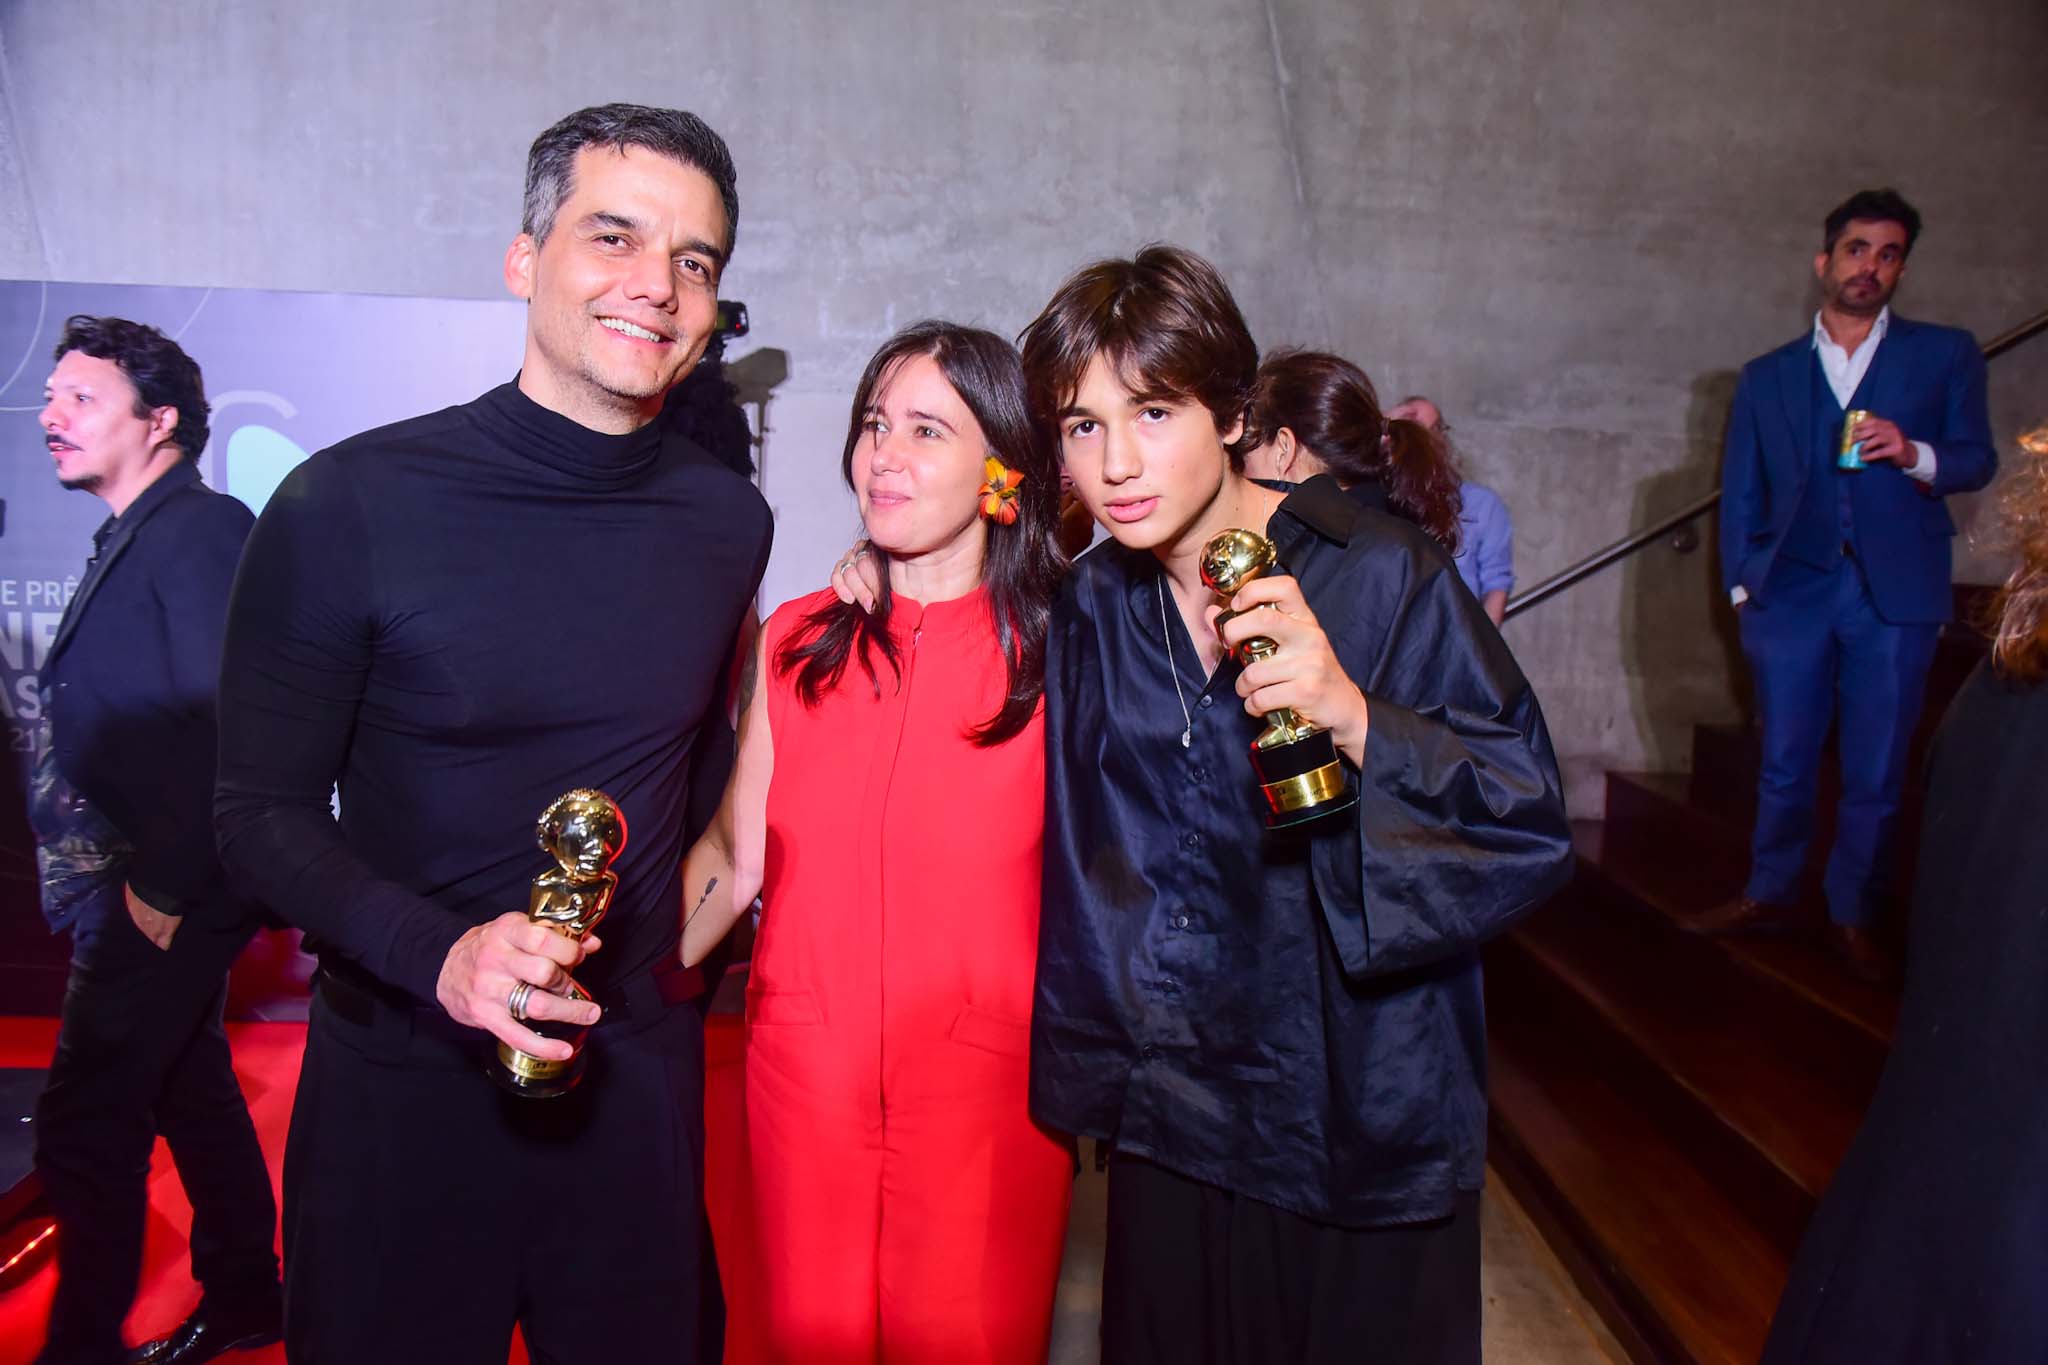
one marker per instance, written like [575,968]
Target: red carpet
[267,1060]
[725,1168]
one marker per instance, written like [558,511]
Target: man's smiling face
[623,292]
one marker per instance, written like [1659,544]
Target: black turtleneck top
[458,618]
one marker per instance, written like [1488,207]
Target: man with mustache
[1838,561]
[457,619]
[120,802]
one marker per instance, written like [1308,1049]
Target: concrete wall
[1569,220]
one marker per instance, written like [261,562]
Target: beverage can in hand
[1849,455]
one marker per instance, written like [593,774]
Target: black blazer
[131,678]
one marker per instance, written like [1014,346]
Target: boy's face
[1148,466]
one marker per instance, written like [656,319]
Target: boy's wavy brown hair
[1164,321]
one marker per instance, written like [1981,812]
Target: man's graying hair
[680,136]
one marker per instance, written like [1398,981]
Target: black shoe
[211,1332]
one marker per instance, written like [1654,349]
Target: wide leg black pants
[426,1211]
[1196,1275]
[141,1051]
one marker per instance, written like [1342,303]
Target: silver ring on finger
[515,1003]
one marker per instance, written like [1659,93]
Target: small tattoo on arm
[750,676]
[709,887]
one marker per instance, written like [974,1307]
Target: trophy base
[1303,780]
[540,1078]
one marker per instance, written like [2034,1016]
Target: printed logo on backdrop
[285,373]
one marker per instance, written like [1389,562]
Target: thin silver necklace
[1187,734]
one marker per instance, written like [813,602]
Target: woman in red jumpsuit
[888,804]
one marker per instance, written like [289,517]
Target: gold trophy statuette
[583,831]
[1296,762]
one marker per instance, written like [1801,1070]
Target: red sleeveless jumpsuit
[905,1208]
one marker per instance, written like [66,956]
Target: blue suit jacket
[131,679]
[1927,379]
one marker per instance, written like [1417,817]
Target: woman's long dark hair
[1022,564]
[1332,409]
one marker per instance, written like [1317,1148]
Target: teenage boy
[1279,1032]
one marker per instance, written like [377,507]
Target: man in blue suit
[1841,575]
[122,803]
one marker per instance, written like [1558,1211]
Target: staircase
[1670,1108]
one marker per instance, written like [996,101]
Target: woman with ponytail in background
[1317,413]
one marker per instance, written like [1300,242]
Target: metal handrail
[1620,549]
[1657,530]
[2013,336]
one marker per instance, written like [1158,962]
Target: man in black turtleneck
[457,619]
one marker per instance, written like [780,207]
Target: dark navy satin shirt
[1293,1015]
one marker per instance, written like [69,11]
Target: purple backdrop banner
[286,373]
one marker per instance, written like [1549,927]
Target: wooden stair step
[1725,759]
[1806,969]
[1795,962]
[1789,1079]
[1652,823]
[1525,992]
[1676,1268]
[1690,858]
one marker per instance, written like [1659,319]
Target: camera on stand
[704,408]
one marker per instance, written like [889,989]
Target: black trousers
[426,1211]
[1196,1275]
[141,1051]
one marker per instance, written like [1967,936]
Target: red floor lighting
[26,1246]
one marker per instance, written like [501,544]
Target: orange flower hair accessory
[999,494]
